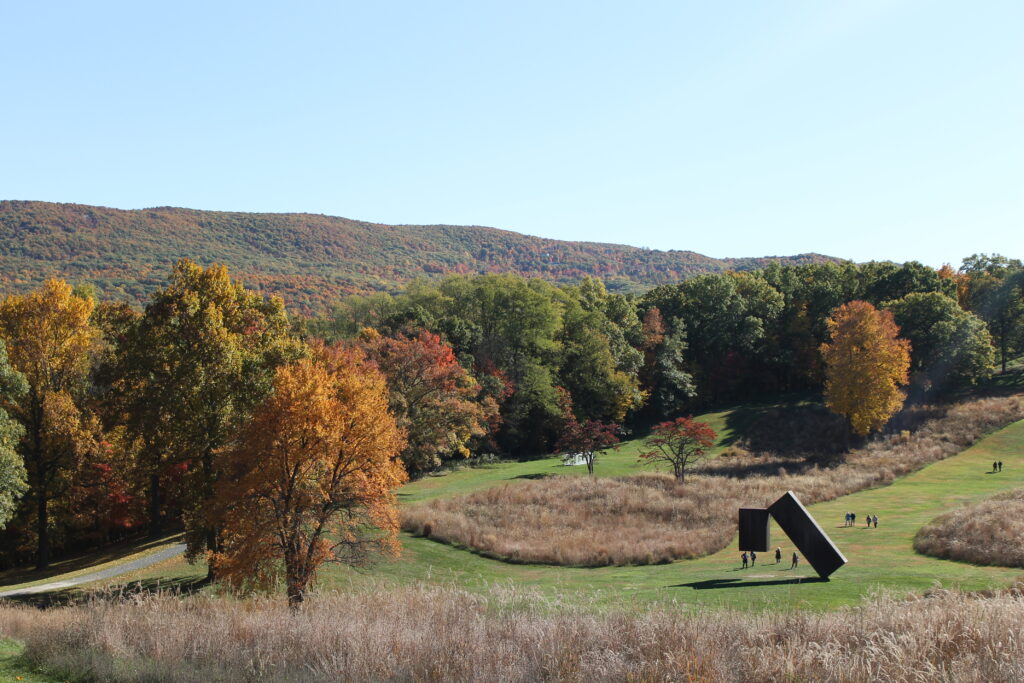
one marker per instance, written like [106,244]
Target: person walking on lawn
[778,555]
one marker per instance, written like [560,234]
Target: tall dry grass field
[989,532]
[438,634]
[653,518]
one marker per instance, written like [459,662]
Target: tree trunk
[43,531]
[156,522]
[296,584]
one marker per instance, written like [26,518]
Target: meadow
[652,519]
[441,612]
[988,532]
[429,633]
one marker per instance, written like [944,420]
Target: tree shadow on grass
[119,551]
[740,583]
[76,596]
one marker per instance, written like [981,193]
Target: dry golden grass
[444,634]
[989,532]
[648,519]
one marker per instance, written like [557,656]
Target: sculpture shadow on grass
[708,584]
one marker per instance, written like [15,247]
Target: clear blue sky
[861,128]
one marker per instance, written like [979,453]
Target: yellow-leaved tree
[50,341]
[866,363]
[312,476]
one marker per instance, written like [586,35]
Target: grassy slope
[622,461]
[878,558]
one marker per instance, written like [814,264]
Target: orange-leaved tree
[866,363]
[312,476]
[680,443]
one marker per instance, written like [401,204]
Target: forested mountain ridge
[309,260]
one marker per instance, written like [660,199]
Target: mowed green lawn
[878,558]
[621,461]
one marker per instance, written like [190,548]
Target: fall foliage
[681,443]
[435,401]
[49,341]
[312,477]
[585,439]
[192,367]
[866,363]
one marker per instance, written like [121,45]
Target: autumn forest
[277,441]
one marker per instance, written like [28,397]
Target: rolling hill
[309,260]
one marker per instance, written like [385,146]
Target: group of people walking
[749,558]
[851,520]
[997,466]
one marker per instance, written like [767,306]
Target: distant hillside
[308,259]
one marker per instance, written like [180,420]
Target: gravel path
[110,572]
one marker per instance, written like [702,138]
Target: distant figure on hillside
[876,521]
[744,556]
[853,518]
[1000,463]
[753,558]
[847,522]
[796,561]
[868,525]
[994,465]
[778,555]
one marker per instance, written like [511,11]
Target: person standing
[753,558]
[1000,463]
[994,463]
[778,555]
[744,557]
[796,561]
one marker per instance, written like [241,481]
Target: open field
[653,518]
[879,558]
[882,557]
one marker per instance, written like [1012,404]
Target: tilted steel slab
[809,538]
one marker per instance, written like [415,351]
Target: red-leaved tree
[586,439]
[681,443]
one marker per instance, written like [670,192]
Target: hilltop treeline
[115,420]
[309,260]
